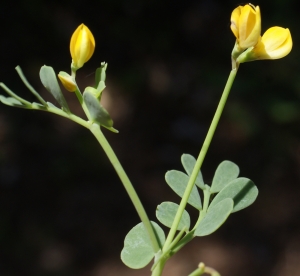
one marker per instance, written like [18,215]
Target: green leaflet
[188,162]
[166,212]
[137,251]
[178,181]
[215,217]
[49,80]
[242,190]
[226,172]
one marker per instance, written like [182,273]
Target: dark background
[63,210]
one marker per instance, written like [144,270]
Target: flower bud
[82,46]
[67,81]
[275,43]
[246,25]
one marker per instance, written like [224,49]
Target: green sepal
[138,251]
[98,113]
[225,173]
[214,217]
[100,74]
[165,213]
[49,80]
[242,190]
[178,182]
[188,161]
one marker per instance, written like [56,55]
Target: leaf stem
[201,157]
[12,94]
[95,129]
[207,195]
[29,86]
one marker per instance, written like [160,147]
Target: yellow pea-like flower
[246,25]
[82,46]
[275,43]
[67,81]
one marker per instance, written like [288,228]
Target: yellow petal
[274,44]
[82,45]
[235,15]
[67,81]
[246,25]
[250,26]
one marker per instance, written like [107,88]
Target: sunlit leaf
[241,190]
[166,212]
[178,182]
[226,172]
[138,251]
[215,217]
[188,162]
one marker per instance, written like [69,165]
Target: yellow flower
[82,46]
[67,81]
[246,25]
[275,43]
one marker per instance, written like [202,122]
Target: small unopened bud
[67,81]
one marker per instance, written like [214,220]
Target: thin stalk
[167,252]
[29,86]
[12,94]
[199,271]
[81,101]
[200,158]
[205,206]
[95,129]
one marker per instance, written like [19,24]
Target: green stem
[167,254]
[29,86]
[95,129]
[207,194]
[201,157]
[12,94]
[159,267]
[199,271]
[81,101]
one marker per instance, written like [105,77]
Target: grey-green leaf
[242,190]
[178,182]
[166,212]
[188,161]
[215,217]
[49,80]
[138,251]
[226,172]
[12,102]
[97,111]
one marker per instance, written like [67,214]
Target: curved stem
[95,129]
[201,157]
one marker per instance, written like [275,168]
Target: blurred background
[63,210]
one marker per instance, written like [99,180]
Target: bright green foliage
[225,172]
[241,190]
[215,217]
[49,80]
[178,181]
[188,161]
[137,251]
[166,212]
